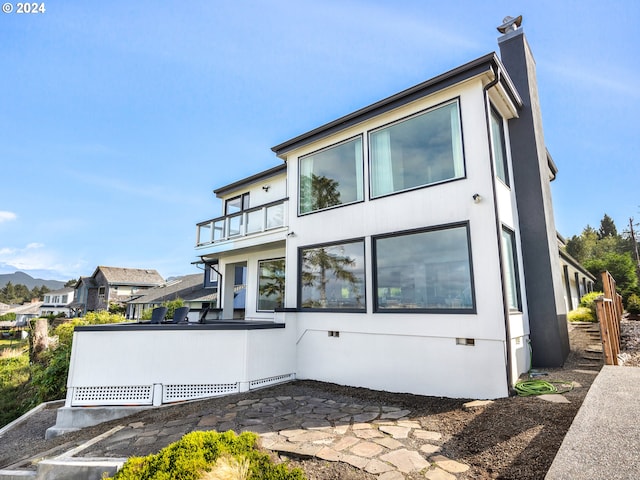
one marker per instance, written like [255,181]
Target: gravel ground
[512,438]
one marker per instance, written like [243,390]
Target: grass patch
[16,395]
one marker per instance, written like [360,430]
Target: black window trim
[299,306]
[514,243]
[448,311]
[503,134]
[362,159]
[456,99]
[260,260]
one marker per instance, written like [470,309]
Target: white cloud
[36,257]
[7,216]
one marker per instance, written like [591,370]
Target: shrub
[198,452]
[49,375]
[581,314]
[589,301]
[633,304]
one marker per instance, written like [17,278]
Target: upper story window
[418,151]
[498,147]
[237,204]
[101,293]
[333,176]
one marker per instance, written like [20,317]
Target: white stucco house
[57,302]
[408,246]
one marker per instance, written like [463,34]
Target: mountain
[21,278]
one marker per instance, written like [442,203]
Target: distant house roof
[189,288]
[62,291]
[130,276]
[32,308]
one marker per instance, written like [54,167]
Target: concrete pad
[395,431]
[429,449]
[392,475]
[78,469]
[376,466]
[389,443]
[553,398]
[439,474]
[604,438]
[476,404]
[427,435]
[449,465]
[395,415]
[366,449]
[405,460]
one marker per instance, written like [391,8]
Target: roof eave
[489,62]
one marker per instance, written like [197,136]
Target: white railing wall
[155,366]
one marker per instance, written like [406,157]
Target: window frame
[449,311]
[360,240]
[258,296]
[458,102]
[494,115]
[323,149]
[512,274]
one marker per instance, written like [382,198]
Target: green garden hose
[540,387]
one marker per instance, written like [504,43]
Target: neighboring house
[189,288]
[57,302]
[111,285]
[576,279]
[409,246]
[4,308]
[25,312]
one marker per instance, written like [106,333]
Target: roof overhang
[488,63]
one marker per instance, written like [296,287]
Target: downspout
[505,306]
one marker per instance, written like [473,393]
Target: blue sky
[118,119]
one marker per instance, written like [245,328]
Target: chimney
[532,170]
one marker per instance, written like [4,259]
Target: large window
[429,270]
[271,284]
[332,277]
[511,269]
[498,147]
[418,151]
[331,177]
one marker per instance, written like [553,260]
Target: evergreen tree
[607,228]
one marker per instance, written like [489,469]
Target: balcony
[250,222]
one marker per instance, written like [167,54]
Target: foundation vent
[113,395]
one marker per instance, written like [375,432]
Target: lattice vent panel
[175,393]
[265,382]
[113,395]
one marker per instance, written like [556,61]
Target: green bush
[49,375]
[581,314]
[171,305]
[197,452]
[589,301]
[633,304]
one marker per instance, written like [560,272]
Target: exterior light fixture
[477,198]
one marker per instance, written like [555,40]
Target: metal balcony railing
[248,222]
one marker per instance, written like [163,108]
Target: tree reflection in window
[333,276]
[319,192]
[271,284]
